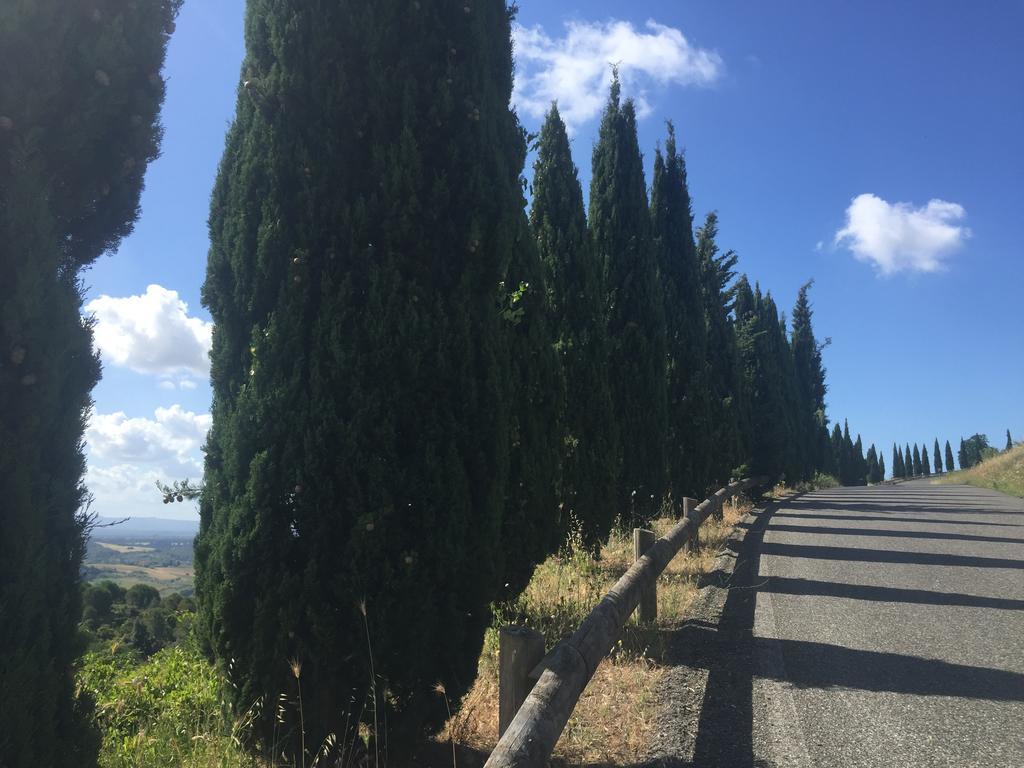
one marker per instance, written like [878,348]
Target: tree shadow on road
[731,653]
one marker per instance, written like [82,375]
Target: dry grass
[1004,472]
[612,722]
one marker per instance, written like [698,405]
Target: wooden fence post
[520,649]
[642,541]
[693,543]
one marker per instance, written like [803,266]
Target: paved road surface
[875,627]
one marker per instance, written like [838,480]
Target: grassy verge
[1004,473]
[614,717]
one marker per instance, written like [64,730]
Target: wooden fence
[530,737]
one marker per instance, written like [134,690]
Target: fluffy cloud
[897,237]
[170,442]
[575,71]
[152,333]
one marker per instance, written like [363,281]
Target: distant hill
[135,527]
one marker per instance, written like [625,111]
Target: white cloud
[152,333]
[126,456]
[575,69]
[897,237]
[170,442]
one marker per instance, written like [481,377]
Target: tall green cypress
[836,445]
[949,458]
[908,459]
[860,464]
[962,458]
[370,276]
[847,464]
[620,230]
[926,468]
[881,466]
[917,462]
[721,370]
[873,469]
[937,457]
[577,301]
[686,336]
[764,358]
[810,383]
[897,462]
[1009,441]
[80,96]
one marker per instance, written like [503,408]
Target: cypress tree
[620,228]
[80,95]
[768,390]
[810,383]
[847,465]
[926,468]
[837,451]
[873,469]
[1009,441]
[917,462]
[686,340]
[937,457]
[860,463]
[949,458]
[897,462]
[370,277]
[908,460]
[574,283]
[881,467]
[721,369]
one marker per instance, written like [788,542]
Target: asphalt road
[876,627]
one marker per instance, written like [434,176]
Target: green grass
[1004,473]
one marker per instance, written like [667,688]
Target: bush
[165,711]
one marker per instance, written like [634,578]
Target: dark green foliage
[686,336]
[949,457]
[1009,441]
[881,466]
[908,462]
[768,387]
[620,231]
[577,304]
[875,472]
[974,450]
[937,457]
[860,464]
[80,91]
[898,470]
[918,471]
[926,468]
[725,439]
[383,375]
[810,385]
[135,618]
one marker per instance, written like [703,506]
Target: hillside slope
[1004,472]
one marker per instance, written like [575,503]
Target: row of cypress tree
[916,463]
[79,101]
[417,386]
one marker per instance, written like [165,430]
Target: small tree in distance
[937,457]
[925,463]
[1009,440]
[949,458]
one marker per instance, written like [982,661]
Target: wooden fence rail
[531,736]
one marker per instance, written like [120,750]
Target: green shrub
[166,711]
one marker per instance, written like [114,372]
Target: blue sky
[873,146]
